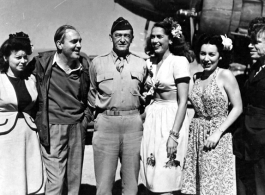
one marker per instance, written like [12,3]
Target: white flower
[176,30]
[149,64]
[227,43]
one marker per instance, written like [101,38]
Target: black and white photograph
[132,97]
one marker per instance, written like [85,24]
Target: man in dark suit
[249,140]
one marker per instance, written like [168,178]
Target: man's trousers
[250,177]
[63,159]
[117,137]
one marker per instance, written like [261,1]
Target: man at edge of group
[63,114]
[249,140]
[116,81]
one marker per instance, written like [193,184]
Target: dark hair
[256,28]
[15,42]
[60,32]
[217,41]
[178,47]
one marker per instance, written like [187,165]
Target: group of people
[139,112]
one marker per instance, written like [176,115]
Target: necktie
[120,64]
[260,69]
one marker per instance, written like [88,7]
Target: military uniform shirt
[116,90]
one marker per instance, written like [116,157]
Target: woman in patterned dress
[165,136]
[21,170]
[209,166]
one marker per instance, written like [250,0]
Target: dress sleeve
[181,68]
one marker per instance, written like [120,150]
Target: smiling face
[159,40]
[121,40]
[71,45]
[209,57]
[17,62]
[257,48]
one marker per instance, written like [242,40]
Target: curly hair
[256,28]
[15,42]
[217,41]
[178,47]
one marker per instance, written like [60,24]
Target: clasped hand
[171,146]
[212,141]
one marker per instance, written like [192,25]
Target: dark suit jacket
[249,139]
[43,69]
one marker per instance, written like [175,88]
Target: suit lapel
[251,76]
[259,76]
[254,68]
[46,63]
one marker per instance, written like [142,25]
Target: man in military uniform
[116,81]
[249,140]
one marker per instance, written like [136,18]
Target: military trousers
[117,137]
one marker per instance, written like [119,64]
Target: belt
[251,110]
[119,113]
[208,118]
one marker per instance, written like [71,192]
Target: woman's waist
[13,113]
[159,100]
[9,119]
[166,95]
[209,118]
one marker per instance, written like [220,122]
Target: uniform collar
[115,57]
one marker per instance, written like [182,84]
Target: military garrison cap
[121,24]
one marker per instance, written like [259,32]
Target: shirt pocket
[105,83]
[137,80]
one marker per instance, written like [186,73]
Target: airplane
[209,16]
[230,17]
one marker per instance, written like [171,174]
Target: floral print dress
[209,172]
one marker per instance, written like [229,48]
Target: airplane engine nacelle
[212,16]
[225,16]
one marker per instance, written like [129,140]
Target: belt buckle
[116,113]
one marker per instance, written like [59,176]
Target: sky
[92,18]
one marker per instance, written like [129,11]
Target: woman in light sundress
[165,136]
[209,168]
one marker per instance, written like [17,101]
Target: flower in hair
[227,43]
[176,30]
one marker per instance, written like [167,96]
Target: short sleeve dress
[158,172]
